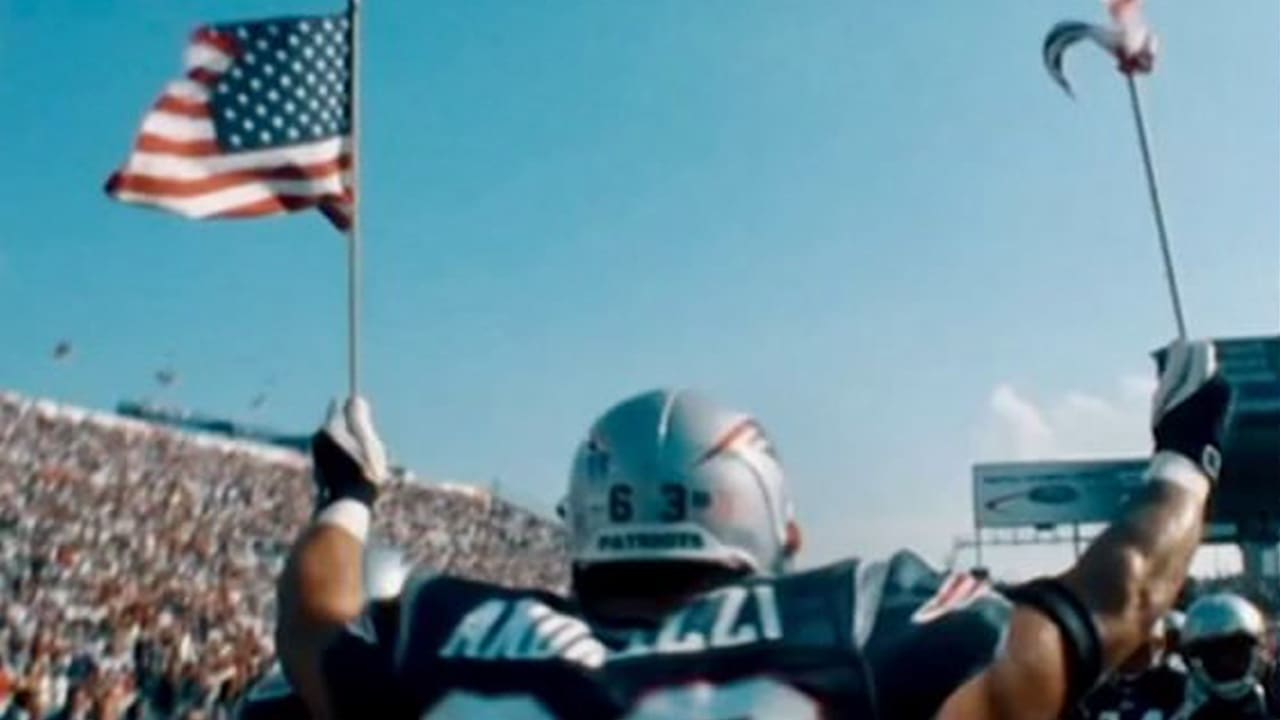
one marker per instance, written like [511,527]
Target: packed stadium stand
[138,562]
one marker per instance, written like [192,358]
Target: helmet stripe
[733,435]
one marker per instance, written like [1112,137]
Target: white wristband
[350,515]
[1171,467]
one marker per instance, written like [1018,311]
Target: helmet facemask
[1229,667]
[1222,644]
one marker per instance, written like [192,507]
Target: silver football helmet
[670,476]
[1222,642]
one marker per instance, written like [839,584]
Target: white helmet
[1222,643]
[670,476]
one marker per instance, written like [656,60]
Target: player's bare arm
[1069,629]
[1130,576]
[1129,573]
[321,590]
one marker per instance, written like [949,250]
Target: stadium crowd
[137,562]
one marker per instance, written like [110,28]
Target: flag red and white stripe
[1129,39]
[179,164]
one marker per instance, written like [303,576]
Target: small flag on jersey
[259,125]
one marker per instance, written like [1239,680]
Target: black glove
[1189,409]
[350,462]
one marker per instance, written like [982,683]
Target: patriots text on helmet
[650,540]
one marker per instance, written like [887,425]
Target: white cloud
[1074,424]
[1019,424]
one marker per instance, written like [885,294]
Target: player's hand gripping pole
[1189,409]
[322,587]
[350,466]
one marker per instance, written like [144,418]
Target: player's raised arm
[1069,629]
[321,589]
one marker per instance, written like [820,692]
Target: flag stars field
[266,130]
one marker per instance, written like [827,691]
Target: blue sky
[878,226]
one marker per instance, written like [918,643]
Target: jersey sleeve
[932,632]
[359,665]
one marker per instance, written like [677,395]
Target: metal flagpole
[1140,120]
[353,234]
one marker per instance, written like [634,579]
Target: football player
[1223,643]
[683,606]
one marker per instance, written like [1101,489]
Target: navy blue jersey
[849,640]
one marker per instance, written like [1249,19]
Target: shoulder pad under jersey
[931,632]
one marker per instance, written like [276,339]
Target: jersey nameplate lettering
[742,616]
[525,629]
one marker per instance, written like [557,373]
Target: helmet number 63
[674,503]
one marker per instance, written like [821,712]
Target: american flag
[260,124]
